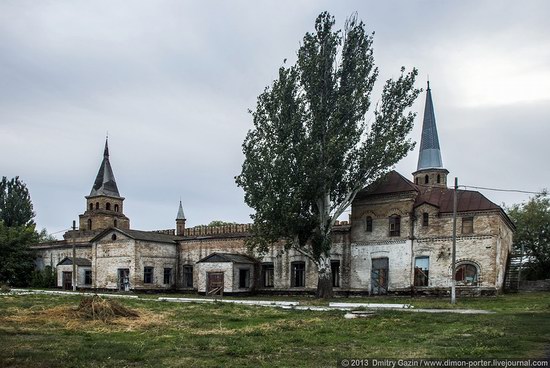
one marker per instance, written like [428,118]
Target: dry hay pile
[98,308]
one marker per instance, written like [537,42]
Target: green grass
[34,333]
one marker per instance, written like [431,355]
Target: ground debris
[98,308]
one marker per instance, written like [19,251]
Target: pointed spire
[181,215]
[430,153]
[105,183]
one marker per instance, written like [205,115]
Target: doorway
[379,276]
[214,282]
[123,279]
[67,280]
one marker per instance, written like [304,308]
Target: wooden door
[67,280]
[379,276]
[214,281]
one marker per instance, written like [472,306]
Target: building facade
[398,240]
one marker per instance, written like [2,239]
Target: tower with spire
[104,205]
[180,221]
[430,169]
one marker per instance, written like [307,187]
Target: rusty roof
[441,198]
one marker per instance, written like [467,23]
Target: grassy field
[42,331]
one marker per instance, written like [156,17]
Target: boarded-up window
[395,225]
[298,274]
[466,274]
[244,278]
[467,225]
[335,267]
[421,271]
[167,276]
[148,275]
[188,276]
[268,271]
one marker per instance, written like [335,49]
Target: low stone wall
[537,285]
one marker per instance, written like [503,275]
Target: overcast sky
[172,81]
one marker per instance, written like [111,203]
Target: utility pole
[453,249]
[74,256]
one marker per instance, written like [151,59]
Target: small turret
[180,221]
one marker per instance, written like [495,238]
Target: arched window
[113,237]
[116,207]
[115,222]
[426,179]
[466,274]
[89,224]
[91,206]
[438,178]
[97,205]
[395,225]
[368,224]
[108,206]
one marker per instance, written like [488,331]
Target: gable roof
[79,262]
[392,182]
[151,236]
[443,198]
[227,257]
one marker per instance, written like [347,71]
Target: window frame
[425,219]
[148,273]
[297,268]
[167,272]
[368,224]
[87,277]
[467,225]
[421,274]
[268,275]
[244,278]
[187,274]
[395,221]
[463,267]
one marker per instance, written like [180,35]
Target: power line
[503,190]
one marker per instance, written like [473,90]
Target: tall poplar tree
[311,150]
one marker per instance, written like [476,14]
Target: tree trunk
[324,285]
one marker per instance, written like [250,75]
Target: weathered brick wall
[51,256]
[80,271]
[202,270]
[111,255]
[156,255]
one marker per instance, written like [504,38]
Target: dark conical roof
[181,215]
[430,153]
[105,183]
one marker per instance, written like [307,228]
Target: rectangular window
[368,224]
[298,274]
[148,275]
[425,219]
[467,225]
[395,225]
[421,271]
[88,277]
[187,276]
[244,278]
[268,272]
[335,267]
[167,276]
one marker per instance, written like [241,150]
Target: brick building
[398,239]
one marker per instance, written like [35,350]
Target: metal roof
[79,261]
[105,183]
[227,257]
[151,236]
[430,152]
[181,215]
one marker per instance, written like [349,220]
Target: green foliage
[311,150]
[532,220]
[43,278]
[17,233]
[15,203]
[16,257]
[220,223]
